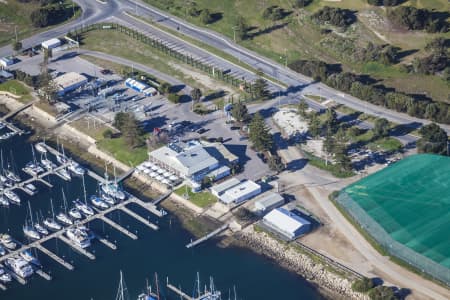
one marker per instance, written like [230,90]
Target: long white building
[286,223]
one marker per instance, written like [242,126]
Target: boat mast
[31,214]
[157,285]
[53,212]
[198,284]
[64,201]
[122,290]
[84,190]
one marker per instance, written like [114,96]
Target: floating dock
[55,257]
[118,227]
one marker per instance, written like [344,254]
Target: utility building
[52,43]
[220,188]
[69,82]
[268,201]
[286,223]
[240,193]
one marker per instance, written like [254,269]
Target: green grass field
[201,199]
[411,202]
[17,88]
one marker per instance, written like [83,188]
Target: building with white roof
[286,223]
[52,43]
[240,193]
[220,188]
[187,160]
[69,82]
[268,201]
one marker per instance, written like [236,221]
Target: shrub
[107,134]
[174,98]
[363,285]
[334,16]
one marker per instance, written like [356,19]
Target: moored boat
[30,188]
[52,224]
[7,241]
[19,266]
[75,213]
[64,174]
[48,164]
[63,218]
[29,257]
[4,276]
[13,197]
[41,147]
[78,236]
[31,232]
[84,208]
[98,202]
[41,229]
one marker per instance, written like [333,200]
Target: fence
[159,45]
[394,248]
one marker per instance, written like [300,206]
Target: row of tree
[366,89]
[419,19]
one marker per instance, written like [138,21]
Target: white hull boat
[19,266]
[7,241]
[4,277]
[41,229]
[40,147]
[63,218]
[13,197]
[75,213]
[78,237]
[31,233]
[98,202]
[52,224]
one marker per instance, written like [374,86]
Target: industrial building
[286,223]
[69,82]
[240,193]
[52,43]
[220,188]
[268,201]
[189,160]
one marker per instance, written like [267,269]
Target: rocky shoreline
[330,284]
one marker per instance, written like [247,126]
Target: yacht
[75,213]
[64,174]
[4,277]
[2,250]
[31,232]
[40,147]
[7,241]
[13,197]
[29,257]
[52,224]
[84,208]
[98,202]
[19,266]
[78,237]
[4,201]
[48,164]
[63,218]
[76,168]
[33,168]
[41,229]
[112,189]
[2,125]
[30,188]
[12,176]
[108,199]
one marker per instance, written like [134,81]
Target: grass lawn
[296,36]
[201,199]
[17,88]
[120,150]
[388,144]
[17,13]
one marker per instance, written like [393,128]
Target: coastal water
[160,251]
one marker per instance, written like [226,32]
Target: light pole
[286,58]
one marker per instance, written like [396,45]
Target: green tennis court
[411,201]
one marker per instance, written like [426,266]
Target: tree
[434,140]
[205,16]
[174,98]
[331,122]
[314,125]
[363,285]
[302,3]
[107,134]
[39,17]
[259,134]
[196,94]
[131,131]
[165,88]
[273,13]
[47,87]
[239,112]
[275,163]
[382,292]
[17,46]
[241,28]
[381,128]
[259,87]
[302,108]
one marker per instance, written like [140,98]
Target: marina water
[161,251]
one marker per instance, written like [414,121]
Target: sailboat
[40,228]
[75,168]
[33,167]
[62,216]
[122,291]
[41,147]
[3,200]
[28,229]
[12,197]
[64,174]
[149,295]
[112,188]
[50,223]
[47,163]
[4,181]
[10,174]
[75,213]
[84,207]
